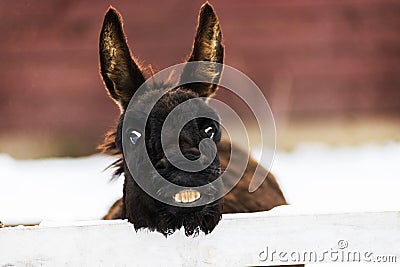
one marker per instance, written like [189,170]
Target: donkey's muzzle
[192,162]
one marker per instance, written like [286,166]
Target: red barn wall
[310,58]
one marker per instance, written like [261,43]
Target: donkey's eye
[134,136]
[210,132]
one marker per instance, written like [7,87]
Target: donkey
[122,76]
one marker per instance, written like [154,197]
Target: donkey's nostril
[161,164]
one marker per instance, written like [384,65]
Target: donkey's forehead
[169,100]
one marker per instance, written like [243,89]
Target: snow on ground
[313,177]
[56,189]
[323,178]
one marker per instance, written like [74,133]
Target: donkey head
[122,77]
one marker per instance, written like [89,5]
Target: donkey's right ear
[121,74]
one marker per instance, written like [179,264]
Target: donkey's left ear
[207,47]
[121,74]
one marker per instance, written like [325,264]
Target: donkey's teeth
[187,196]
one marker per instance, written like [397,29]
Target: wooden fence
[265,238]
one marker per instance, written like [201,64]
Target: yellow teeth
[187,196]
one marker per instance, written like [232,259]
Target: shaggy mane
[109,147]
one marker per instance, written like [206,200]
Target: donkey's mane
[109,147]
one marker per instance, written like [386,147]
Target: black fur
[122,77]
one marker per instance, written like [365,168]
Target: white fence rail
[266,238]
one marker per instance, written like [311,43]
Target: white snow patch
[323,178]
[56,189]
[314,177]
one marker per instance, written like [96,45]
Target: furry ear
[121,74]
[207,47]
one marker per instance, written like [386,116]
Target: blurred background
[329,69]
